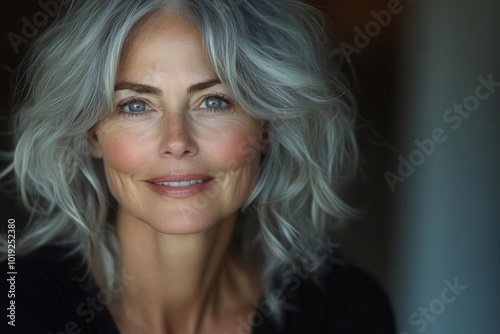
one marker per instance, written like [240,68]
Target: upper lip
[179,178]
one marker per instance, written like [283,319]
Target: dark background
[441,224]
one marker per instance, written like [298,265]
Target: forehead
[164,24]
[164,43]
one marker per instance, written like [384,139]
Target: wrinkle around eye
[226,104]
[142,106]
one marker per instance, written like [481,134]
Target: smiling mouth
[180,184]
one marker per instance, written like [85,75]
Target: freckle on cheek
[230,151]
[122,155]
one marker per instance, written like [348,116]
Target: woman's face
[179,154]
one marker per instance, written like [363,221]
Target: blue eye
[137,106]
[133,107]
[214,102]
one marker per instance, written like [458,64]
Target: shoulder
[356,303]
[49,293]
[339,299]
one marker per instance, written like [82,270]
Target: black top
[51,298]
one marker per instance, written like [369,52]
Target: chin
[185,221]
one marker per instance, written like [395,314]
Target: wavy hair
[274,58]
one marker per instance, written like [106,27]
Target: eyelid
[226,99]
[121,106]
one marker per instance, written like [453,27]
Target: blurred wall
[447,188]
[429,84]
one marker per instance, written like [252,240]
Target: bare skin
[182,284]
[186,281]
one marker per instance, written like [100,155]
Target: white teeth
[180,184]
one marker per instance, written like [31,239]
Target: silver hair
[275,59]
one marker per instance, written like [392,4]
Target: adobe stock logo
[453,117]
[291,279]
[372,29]
[97,303]
[436,307]
[30,27]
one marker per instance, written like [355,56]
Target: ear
[94,145]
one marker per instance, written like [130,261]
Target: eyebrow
[203,85]
[138,88]
[146,89]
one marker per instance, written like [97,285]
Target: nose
[177,138]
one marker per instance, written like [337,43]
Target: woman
[184,161]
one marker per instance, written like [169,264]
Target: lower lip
[179,192]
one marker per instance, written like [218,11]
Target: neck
[182,282]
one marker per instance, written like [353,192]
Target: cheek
[235,148]
[122,154]
[238,162]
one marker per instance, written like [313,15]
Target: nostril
[179,146]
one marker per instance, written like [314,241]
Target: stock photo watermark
[427,314]
[453,117]
[97,303]
[248,149]
[11,272]
[292,280]
[363,37]
[32,25]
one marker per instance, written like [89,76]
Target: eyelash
[122,105]
[125,113]
[224,98]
